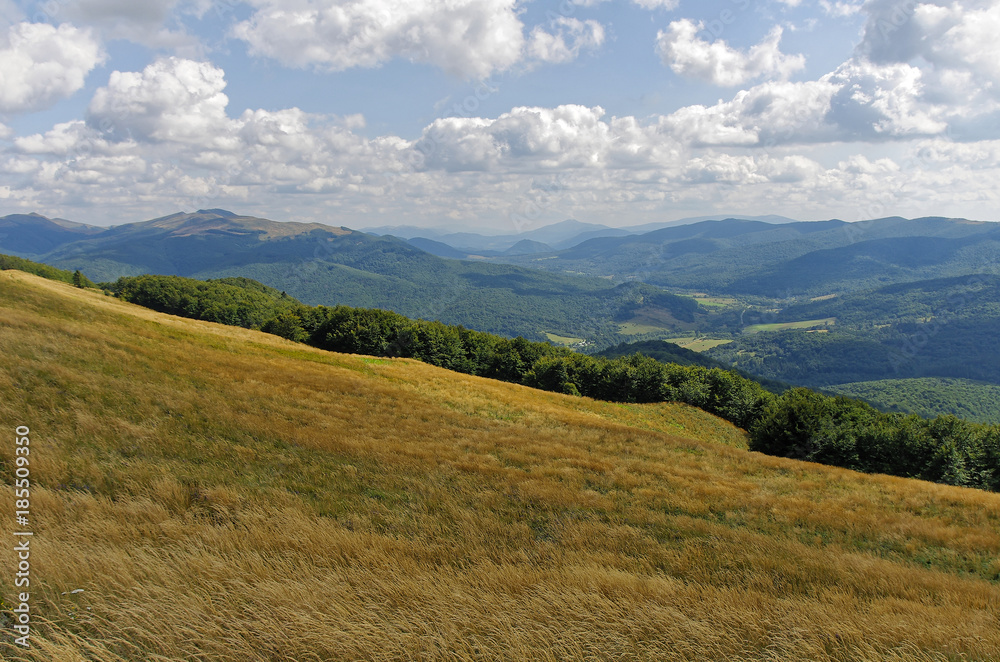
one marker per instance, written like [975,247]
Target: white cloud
[645,4]
[172,99]
[840,9]
[954,47]
[149,22]
[885,99]
[41,64]
[564,44]
[63,140]
[957,35]
[657,4]
[771,113]
[545,140]
[466,38]
[680,48]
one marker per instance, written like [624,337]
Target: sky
[500,115]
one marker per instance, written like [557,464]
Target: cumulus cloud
[772,113]
[64,139]
[41,64]
[953,45]
[540,140]
[564,44]
[840,9]
[172,99]
[681,49]
[884,99]
[150,22]
[958,35]
[466,38]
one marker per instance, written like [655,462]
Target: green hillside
[930,396]
[209,492]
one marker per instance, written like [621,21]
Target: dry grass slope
[221,494]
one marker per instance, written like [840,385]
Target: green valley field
[224,494]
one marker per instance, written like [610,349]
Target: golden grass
[221,494]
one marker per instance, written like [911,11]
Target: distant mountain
[558,235]
[528,247]
[781,261]
[591,234]
[437,248]
[183,244]
[323,264]
[32,235]
[650,227]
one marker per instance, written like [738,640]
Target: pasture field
[783,326]
[563,340]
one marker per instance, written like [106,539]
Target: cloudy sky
[500,114]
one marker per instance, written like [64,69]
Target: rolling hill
[220,493]
[930,396]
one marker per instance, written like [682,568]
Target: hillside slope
[223,494]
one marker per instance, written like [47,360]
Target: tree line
[45,271]
[798,423]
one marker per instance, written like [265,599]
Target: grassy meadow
[784,326]
[222,494]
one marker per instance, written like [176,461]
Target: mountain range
[558,236]
[321,264]
[782,261]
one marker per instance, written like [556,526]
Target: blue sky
[499,115]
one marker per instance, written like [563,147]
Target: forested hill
[668,352]
[943,328]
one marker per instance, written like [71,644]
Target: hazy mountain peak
[221,221]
